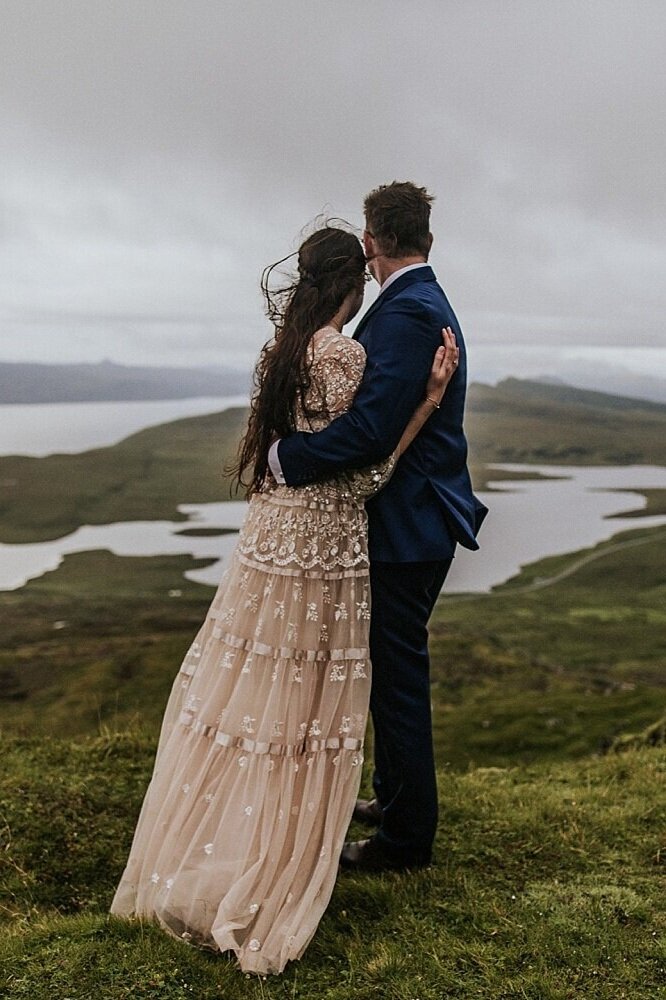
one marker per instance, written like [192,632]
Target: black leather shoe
[368,811]
[369,856]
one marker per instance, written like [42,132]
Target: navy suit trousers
[403,596]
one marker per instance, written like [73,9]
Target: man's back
[428,505]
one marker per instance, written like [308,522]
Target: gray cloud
[158,154]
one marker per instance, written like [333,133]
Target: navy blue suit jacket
[428,504]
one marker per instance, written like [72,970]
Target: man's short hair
[398,216]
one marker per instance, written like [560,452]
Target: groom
[414,523]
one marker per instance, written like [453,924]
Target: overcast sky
[157,154]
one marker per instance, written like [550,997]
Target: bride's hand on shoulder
[444,365]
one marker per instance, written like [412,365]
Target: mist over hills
[106,381]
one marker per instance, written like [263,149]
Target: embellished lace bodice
[337,364]
[322,526]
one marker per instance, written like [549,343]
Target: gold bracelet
[434,402]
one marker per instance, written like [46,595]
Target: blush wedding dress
[259,756]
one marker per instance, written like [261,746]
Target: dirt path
[542,582]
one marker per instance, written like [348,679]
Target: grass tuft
[548,882]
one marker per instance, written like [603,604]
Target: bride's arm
[443,368]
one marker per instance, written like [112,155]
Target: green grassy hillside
[548,886]
[143,477]
[549,874]
[557,662]
[530,672]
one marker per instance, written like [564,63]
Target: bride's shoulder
[330,343]
[352,348]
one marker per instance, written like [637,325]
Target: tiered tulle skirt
[259,756]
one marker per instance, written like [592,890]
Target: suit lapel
[410,278]
[366,316]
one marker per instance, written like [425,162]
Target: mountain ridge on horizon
[564,392]
[111,381]
[25,382]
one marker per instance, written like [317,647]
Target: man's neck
[386,266]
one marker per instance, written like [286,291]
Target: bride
[259,757]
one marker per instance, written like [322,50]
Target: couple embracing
[359,493]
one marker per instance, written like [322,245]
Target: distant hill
[107,381]
[524,421]
[614,380]
[555,390]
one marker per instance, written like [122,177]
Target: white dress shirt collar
[398,274]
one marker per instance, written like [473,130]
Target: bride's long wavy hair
[331,264]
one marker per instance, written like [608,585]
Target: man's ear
[373,249]
[429,242]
